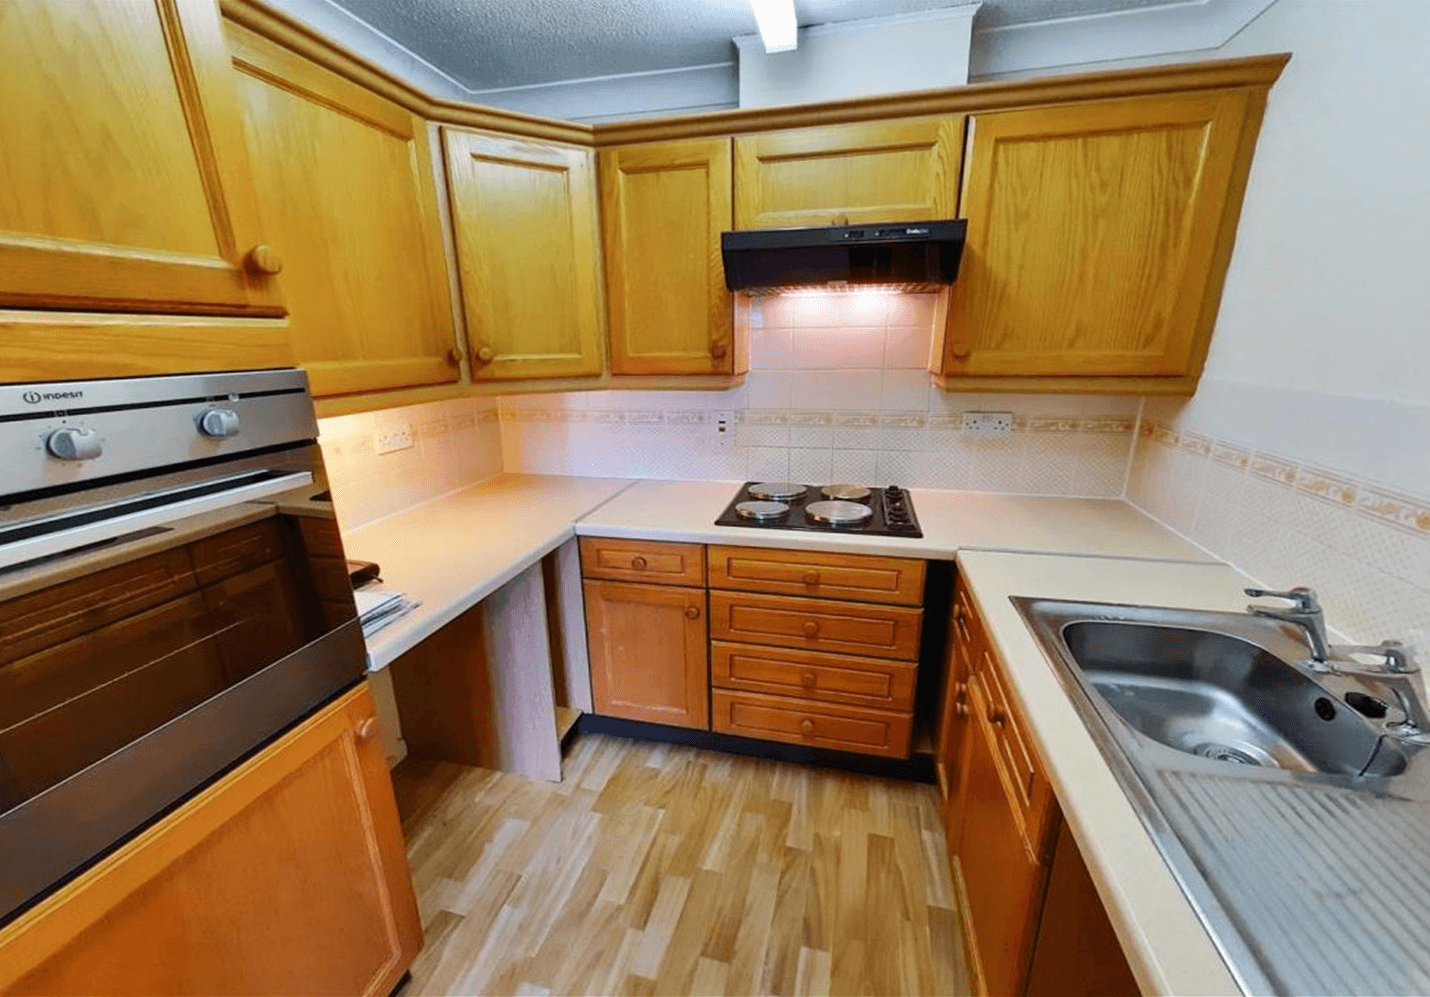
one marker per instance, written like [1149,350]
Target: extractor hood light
[778,28]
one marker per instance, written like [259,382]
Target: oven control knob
[74,444]
[220,423]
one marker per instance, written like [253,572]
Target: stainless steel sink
[1291,804]
[1223,698]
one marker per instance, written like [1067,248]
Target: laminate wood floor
[656,869]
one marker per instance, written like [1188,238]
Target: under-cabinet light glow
[778,28]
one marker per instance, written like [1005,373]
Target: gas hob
[774,505]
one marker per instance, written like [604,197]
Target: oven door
[203,613]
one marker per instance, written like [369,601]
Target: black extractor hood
[911,255]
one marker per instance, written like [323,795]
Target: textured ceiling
[486,44]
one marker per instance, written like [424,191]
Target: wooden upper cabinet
[124,184]
[524,220]
[346,190]
[663,207]
[1098,237]
[872,171]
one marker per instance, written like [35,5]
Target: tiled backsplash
[838,391]
[1363,547]
[454,443]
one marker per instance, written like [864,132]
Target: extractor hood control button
[74,444]
[220,423]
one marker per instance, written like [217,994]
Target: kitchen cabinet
[126,183]
[663,207]
[648,652]
[287,875]
[1098,237]
[1032,919]
[893,170]
[346,189]
[524,223]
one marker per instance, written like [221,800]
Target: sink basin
[1219,697]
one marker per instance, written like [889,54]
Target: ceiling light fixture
[778,28]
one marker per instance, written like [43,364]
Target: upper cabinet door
[1098,235]
[663,207]
[346,187]
[873,171]
[124,184]
[524,218]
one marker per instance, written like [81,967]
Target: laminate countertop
[454,551]
[951,521]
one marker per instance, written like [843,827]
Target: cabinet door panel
[524,217]
[345,187]
[124,183]
[648,652]
[1003,880]
[664,206]
[872,171]
[1092,236]
[287,876]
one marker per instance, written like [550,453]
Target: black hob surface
[891,507]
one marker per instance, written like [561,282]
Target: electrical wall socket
[722,424]
[988,423]
[394,438]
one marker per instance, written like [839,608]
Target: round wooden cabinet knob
[996,716]
[367,729]
[638,563]
[806,727]
[485,354]
[692,612]
[454,357]
[960,710]
[811,577]
[718,349]
[961,351]
[263,259]
[809,678]
[811,629]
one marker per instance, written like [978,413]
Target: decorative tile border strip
[951,421]
[1406,512]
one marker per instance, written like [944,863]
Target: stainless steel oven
[173,595]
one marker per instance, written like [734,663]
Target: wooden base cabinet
[1032,919]
[287,876]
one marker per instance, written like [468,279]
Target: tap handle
[1398,658]
[1304,598]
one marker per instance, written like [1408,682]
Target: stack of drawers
[817,649]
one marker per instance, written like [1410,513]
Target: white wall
[860,58]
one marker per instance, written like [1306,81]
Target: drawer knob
[809,678]
[996,716]
[806,727]
[960,710]
[638,563]
[811,577]
[264,260]
[692,612]
[367,729]
[811,629]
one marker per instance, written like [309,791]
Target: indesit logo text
[35,397]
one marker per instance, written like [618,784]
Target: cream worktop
[951,521]
[454,551]
[1168,948]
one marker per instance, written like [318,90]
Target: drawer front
[821,725]
[816,624]
[643,561]
[871,682]
[894,580]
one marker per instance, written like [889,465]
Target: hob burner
[838,513]
[761,510]
[777,491]
[849,493]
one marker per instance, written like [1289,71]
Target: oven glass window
[91,661]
